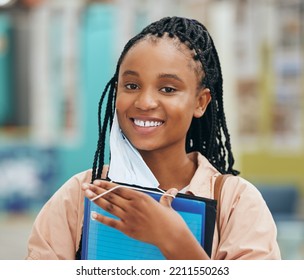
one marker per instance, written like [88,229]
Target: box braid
[206,133]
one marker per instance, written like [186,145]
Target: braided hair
[209,134]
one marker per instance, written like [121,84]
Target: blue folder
[101,242]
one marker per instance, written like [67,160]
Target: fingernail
[93,215]
[174,192]
[85,186]
[97,182]
[89,193]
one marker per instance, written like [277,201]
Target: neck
[172,170]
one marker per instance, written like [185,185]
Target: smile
[142,123]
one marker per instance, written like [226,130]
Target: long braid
[205,134]
[102,128]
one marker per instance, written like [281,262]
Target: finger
[117,224]
[105,199]
[116,187]
[168,197]
[96,189]
[85,186]
[88,192]
[112,203]
[102,185]
[124,191]
[109,200]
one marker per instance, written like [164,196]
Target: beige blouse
[247,229]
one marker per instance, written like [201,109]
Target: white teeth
[147,123]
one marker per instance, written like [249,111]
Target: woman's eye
[131,86]
[167,89]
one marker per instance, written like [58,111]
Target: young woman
[165,103]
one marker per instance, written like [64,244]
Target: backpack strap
[218,186]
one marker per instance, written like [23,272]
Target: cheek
[181,117]
[183,108]
[122,103]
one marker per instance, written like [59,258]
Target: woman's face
[158,94]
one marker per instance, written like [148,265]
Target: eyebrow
[160,76]
[130,72]
[170,76]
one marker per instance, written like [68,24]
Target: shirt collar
[204,176]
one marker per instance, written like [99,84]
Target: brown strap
[218,186]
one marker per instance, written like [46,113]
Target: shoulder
[79,178]
[241,196]
[72,187]
[242,204]
[237,189]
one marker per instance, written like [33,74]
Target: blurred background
[56,57]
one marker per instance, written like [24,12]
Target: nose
[146,100]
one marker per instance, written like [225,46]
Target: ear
[203,99]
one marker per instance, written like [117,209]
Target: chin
[145,148]
[140,146]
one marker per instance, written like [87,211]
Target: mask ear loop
[133,188]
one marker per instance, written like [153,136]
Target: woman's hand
[143,218]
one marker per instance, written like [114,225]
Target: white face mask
[127,165]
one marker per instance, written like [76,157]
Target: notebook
[101,242]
